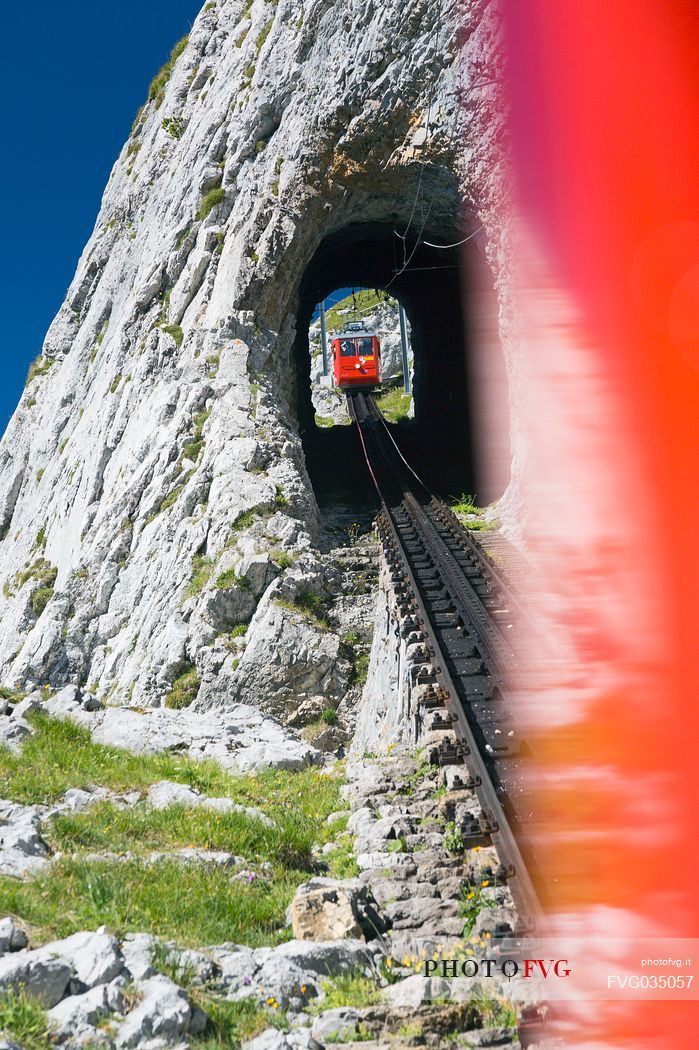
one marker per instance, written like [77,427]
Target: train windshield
[366,347]
[348,348]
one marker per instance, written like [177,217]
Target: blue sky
[71,79]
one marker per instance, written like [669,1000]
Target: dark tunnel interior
[439,442]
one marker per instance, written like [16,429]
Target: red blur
[605,122]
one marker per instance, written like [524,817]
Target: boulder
[64,702]
[44,978]
[164,1012]
[166,793]
[95,958]
[336,1026]
[416,990]
[332,909]
[292,985]
[22,849]
[273,1039]
[237,966]
[77,1015]
[12,937]
[91,703]
[13,730]
[28,706]
[326,957]
[137,951]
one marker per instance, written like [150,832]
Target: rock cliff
[154,498]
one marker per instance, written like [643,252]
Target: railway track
[460,612]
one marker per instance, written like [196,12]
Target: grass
[156,91]
[473,901]
[230,579]
[183,236]
[282,559]
[39,367]
[262,36]
[194,447]
[495,1011]
[197,904]
[313,730]
[184,690]
[174,330]
[99,339]
[168,501]
[465,504]
[23,1020]
[193,904]
[349,989]
[174,126]
[232,1023]
[40,571]
[13,695]
[453,839]
[60,755]
[202,568]
[140,828]
[243,520]
[394,405]
[40,599]
[309,605]
[209,202]
[359,658]
[342,861]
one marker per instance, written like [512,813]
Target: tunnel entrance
[439,440]
[378,316]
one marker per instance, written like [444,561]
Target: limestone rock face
[154,463]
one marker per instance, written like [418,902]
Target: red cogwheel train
[356,358]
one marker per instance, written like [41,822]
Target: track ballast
[461,610]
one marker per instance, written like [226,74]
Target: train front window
[348,348]
[366,347]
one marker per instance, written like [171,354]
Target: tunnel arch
[448,295]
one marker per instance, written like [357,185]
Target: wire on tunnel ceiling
[456,244]
[444,266]
[403,236]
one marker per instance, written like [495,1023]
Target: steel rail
[413,527]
